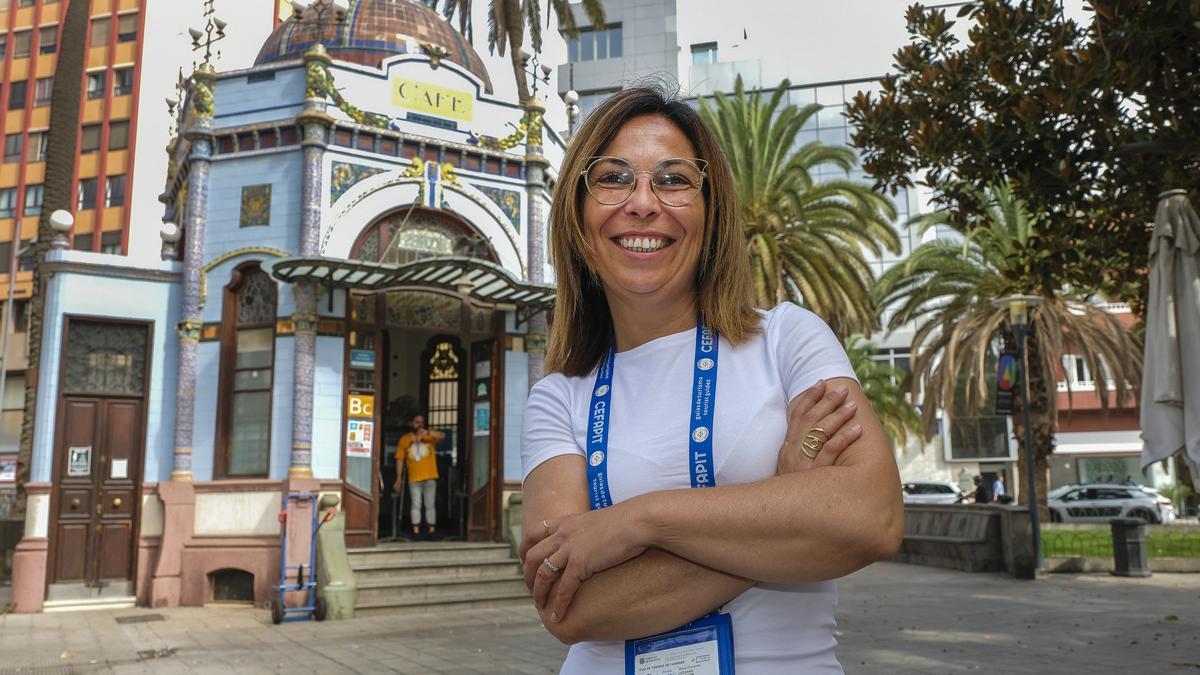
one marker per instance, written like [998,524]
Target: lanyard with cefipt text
[704,403]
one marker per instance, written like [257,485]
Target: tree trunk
[1042,431]
[61,147]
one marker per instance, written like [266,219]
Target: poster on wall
[359,437]
[79,461]
[8,469]
[483,410]
[362,358]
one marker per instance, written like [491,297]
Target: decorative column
[315,124]
[178,495]
[200,135]
[535,180]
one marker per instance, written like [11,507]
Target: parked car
[1101,502]
[931,492]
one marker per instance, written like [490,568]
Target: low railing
[1162,541]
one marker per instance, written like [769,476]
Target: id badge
[702,647]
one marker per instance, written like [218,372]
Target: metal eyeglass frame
[699,164]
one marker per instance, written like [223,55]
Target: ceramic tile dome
[372,31]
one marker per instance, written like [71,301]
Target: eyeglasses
[676,181]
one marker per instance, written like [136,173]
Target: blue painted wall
[516,392]
[105,295]
[280,170]
[327,407]
[240,102]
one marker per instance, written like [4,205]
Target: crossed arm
[656,561]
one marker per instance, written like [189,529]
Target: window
[26,3]
[3,38]
[17,94]
[43,90]
[90,139]
[118,135]
[36,148]
[5,254]
[21,43]
[8,202]
[48,39]
[95,84]
[122,81]
[114,191]
[594,44]
[110,243]
[12,148]
[83,242]
[127,26]
[34,194]
[247,361]
[87,194]
[100,28]
[25,256]
[704,53]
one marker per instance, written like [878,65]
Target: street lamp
[571,98]
[1018,316]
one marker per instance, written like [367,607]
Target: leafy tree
[1088,123]
[508,21]
[884,386]
[946,288]
[61,146]
[807,238]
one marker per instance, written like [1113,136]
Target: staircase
[406,577]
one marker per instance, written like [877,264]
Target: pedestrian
[998,494]
[654,298]
[980,494]
[417,449]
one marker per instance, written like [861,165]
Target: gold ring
[546,524]
[813,443]
[551,566]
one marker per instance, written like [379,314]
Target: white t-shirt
[778,628]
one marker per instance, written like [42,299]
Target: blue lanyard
[704,404]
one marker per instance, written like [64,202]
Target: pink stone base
[203,555]
[147,554]
[179,517]
[29,574]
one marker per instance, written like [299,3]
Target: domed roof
[372,31]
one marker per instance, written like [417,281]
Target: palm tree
[808,240]
[508,21]
[946,289]
[884,386]
[61,146]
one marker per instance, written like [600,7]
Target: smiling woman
[653,300]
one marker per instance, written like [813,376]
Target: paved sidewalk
[893,619]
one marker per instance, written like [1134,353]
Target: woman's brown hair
[582,328]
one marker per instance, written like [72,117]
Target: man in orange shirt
[417,449]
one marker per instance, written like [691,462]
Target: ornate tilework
[256,206]
[345,176]
[509,202]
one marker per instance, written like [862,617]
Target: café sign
[432,99]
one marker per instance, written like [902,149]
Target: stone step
[478,601]
[450,569]
[417,590]
[432,553]
[78,605]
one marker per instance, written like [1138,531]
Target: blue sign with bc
[362,358]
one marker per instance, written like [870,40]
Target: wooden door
[482,486]
[98,454]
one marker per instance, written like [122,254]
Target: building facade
[352,234]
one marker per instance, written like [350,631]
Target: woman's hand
[809,414]
[578,546]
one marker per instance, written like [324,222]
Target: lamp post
[1018,316]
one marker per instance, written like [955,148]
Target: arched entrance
[411,349]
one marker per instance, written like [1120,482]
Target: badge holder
[702,647]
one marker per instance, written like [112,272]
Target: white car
[931,492]
[1101,502]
